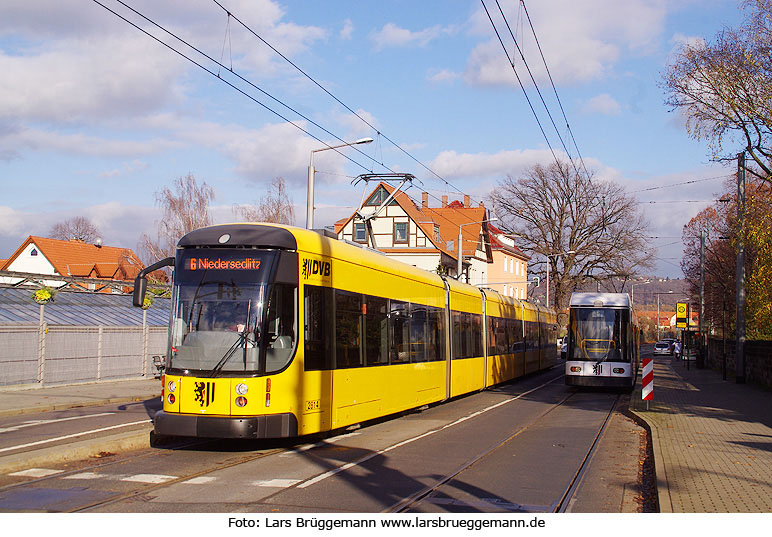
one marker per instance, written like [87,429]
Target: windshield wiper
[243,339]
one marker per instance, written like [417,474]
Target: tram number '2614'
[316,404]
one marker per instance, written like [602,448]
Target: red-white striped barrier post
[647,383]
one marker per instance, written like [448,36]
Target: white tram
[603,341]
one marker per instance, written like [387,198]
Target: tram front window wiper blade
[227,356]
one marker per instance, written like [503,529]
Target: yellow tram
[278,331]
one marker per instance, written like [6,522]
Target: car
[564,348]
[663,347]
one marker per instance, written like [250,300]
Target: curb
[82,449]
[663,489]
[76,404]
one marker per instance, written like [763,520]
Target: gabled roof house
[423,236]
[41,255]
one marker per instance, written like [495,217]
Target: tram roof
[619,300]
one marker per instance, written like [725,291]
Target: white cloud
[392,35]
[451,165]
[442,76]
[347,31]
[581,41]
[603,104]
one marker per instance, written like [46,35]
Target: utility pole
[740,277]
[703,340]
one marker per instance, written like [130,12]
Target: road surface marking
[277,483]
[149,478]
[65,437]
[36,472]
[45,422]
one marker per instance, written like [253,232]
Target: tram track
[559,506]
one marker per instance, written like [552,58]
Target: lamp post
[554,254]
[461,244]
[312,171]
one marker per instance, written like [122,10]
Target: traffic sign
[682,314]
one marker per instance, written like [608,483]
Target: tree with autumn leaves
[723,87]
[720,224]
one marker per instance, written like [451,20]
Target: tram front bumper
[268,426]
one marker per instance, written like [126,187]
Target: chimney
[444,201]
[424,200]
[467,201]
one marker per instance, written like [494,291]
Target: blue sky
[96,117]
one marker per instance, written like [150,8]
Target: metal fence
[46,354]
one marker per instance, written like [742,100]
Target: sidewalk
[25,400]
[712,441]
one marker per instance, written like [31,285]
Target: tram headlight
[575,369]
[619,370]
[242,388]
[241,401]
[171,398]
[172,386]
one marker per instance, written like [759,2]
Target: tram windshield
[598,335]
[229,317]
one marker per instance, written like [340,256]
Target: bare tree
[184,209]
[78,228]
[275,206]
[553,210]
[725,89]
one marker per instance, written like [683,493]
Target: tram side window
[467,334]
[318,321]
[531,335]
[418,337]
[515,331]
[475,320]
[435,329]
[281,327]
[348,329]
[376,330]
[399,331]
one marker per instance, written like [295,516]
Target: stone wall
[758,360]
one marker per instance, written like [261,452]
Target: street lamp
[461,244]
[554,254]
[311,172]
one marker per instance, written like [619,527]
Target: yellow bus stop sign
[682,314]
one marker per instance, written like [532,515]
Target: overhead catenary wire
[520,82]
[549,74]
[232,85]
[535,85]
[339,101]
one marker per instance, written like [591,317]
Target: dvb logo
[314,267]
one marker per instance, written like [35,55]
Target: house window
[400,232]
[34,252]
[436,233]
[360,233]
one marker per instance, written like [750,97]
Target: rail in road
[521,447]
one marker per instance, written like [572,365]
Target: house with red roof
[428,237]
[41,255]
